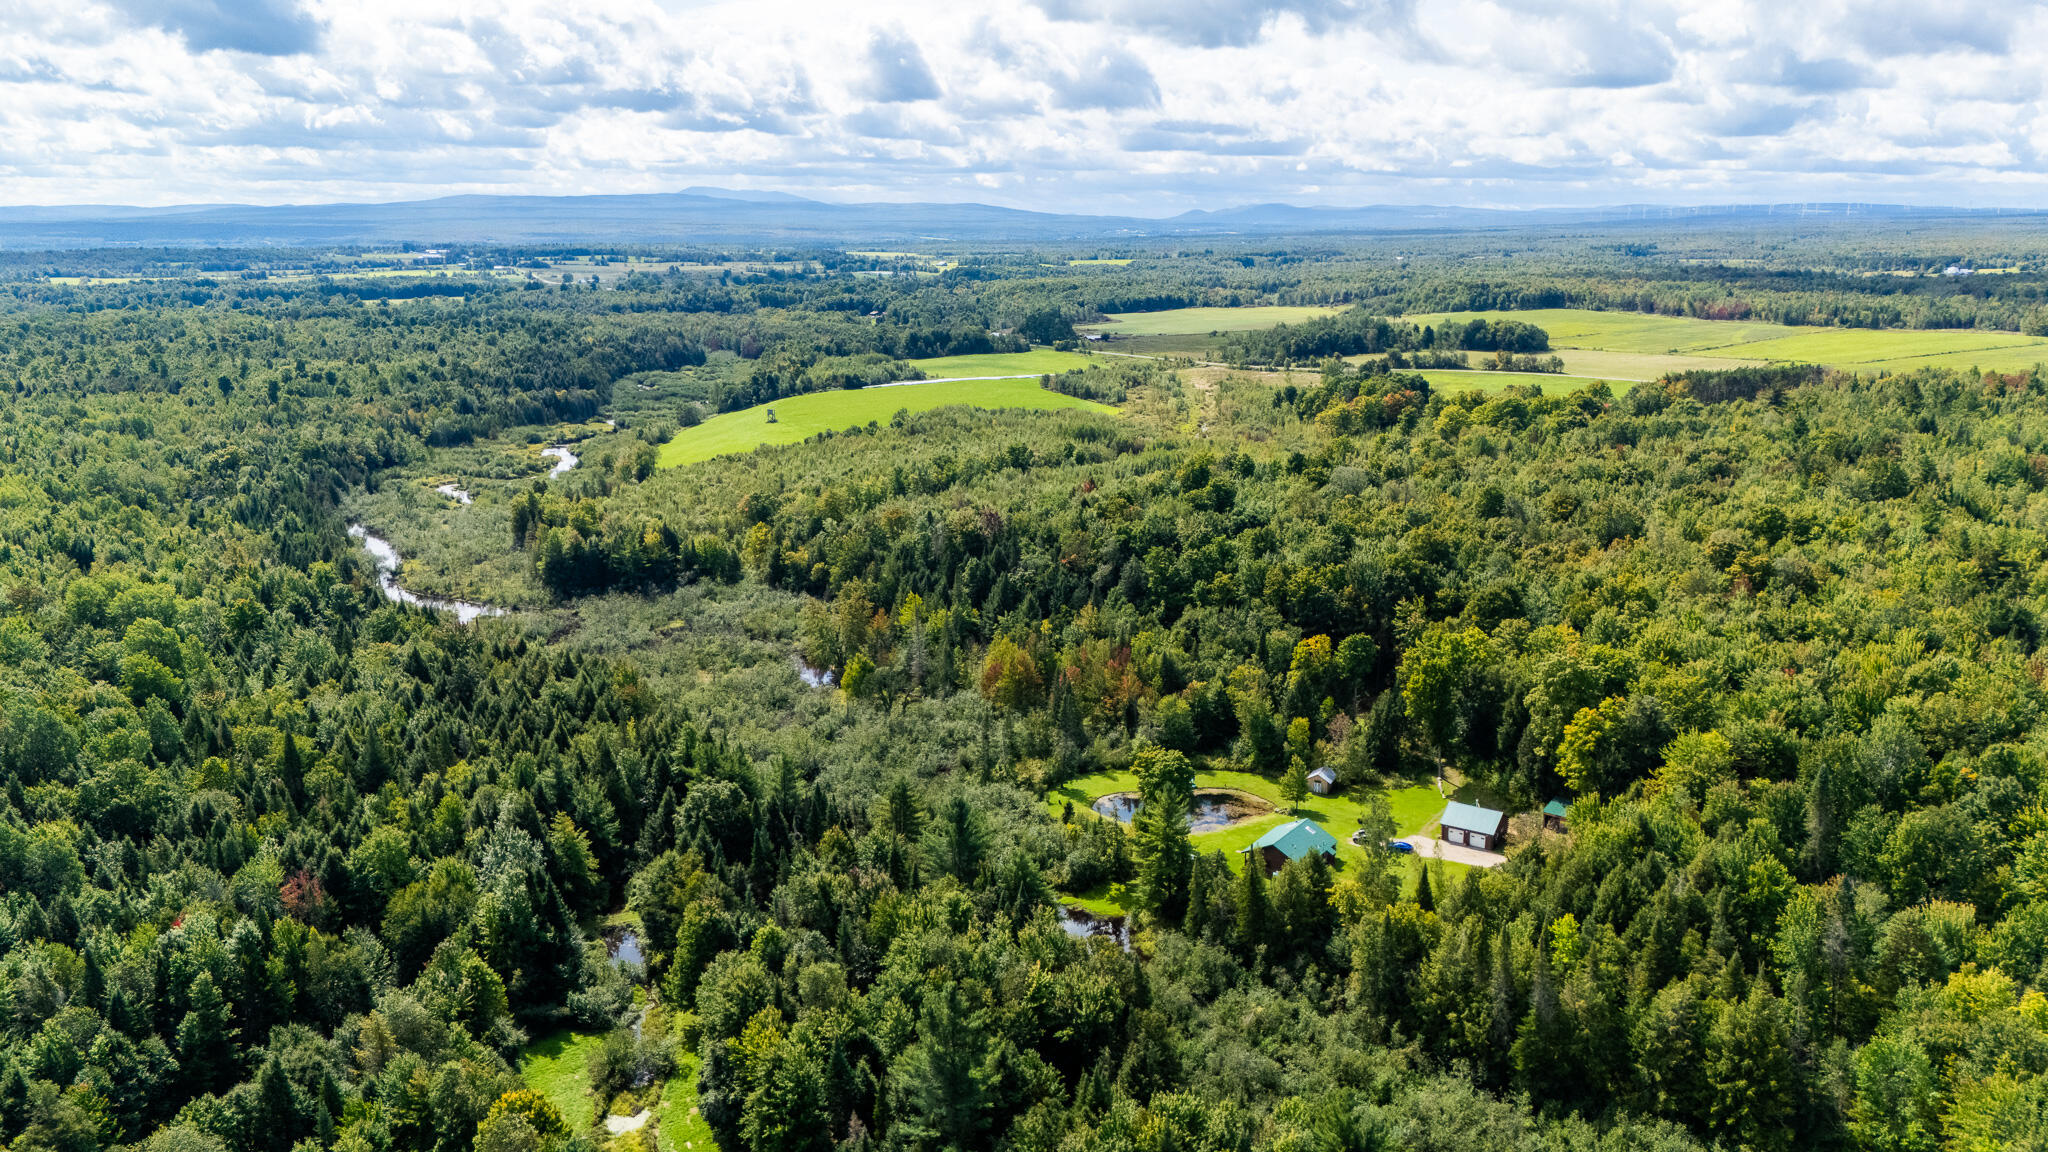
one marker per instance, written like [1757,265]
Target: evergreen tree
[206,1053]
[1160,846]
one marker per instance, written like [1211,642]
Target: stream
[564,459]
[453,493]
[388,563]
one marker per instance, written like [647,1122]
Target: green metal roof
[1555,808]
[1297,838]
[1472,818]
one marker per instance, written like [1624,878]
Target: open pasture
[1201,321]
[1640,346]
[801,417]
[1037,362]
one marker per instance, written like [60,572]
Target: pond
[1212,810]
[625,948]
[1081,924]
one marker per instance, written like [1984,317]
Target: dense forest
[287,866]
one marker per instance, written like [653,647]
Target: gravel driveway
[1428,847]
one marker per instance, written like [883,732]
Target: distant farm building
[1322,781]
[1292,841]
[1553,815]
[1474,827]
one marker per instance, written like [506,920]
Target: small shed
[1322,781]
[1473,826]
[1554,814]
[1292,841]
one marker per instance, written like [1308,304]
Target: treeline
[1360,332]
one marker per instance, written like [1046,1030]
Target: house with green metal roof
[1292,841]
[1554,814]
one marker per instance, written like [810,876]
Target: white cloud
[1119,105]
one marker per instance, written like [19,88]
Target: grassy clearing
[1081,263]
[800,417]
[1632,345]
[1037,362]
[558,1067]
[1201,321]
[1415,808]
[682,1127]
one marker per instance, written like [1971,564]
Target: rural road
[1430,847]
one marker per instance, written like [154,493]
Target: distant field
[1078,263]
[800,417]
[1038,361]
[1451,380]
[1200,321]
[1632,345]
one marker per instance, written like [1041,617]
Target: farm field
[1632,345]
[1036,362]
[1415,809]
[1202,321]
[1453,380]
[800,417]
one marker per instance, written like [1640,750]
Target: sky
[1142,107]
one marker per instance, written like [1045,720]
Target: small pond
[625,948]
[1081,924]
[1211,811]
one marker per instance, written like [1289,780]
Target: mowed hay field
[1202,321]
[801,417]
[1037,362]
[1637,346]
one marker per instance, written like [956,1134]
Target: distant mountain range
[713,215]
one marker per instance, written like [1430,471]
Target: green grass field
[558,1067]
[1104,260]
[682,1126]
[1037,362]
[1201,321]
[800,417]
[1635,346]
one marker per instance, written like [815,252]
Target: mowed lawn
[1201,321]
[1634,345]
[800,417]
[1415,809]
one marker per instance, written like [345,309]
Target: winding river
[388,563]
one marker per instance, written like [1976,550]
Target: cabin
[1292,841]
[1322,781]
[1554,814]
[1474,827]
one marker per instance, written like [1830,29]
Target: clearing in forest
[1414,808]
[1641,346]
[798,418]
